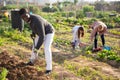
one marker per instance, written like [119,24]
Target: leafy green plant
[110,25]
[88,52]
[3,74]
[112,57]
[80,14]
[118,59]
[62,42]
[16,35]
[101,55]
[109,55]
[116,19]
[1,41]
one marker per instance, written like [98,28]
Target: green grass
[86,72]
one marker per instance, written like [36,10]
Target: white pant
[47,49]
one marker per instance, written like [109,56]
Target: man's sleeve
[41,33]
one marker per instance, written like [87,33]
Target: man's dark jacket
[41,27]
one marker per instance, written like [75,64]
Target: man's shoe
[47,72]
[30,63]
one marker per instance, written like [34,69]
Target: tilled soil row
[18,70]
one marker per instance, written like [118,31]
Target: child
[98,27]
[77,31]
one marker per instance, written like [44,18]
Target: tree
[100,5]
[88,8]
[117,6]
[75,2]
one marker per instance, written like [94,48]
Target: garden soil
[18,70]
